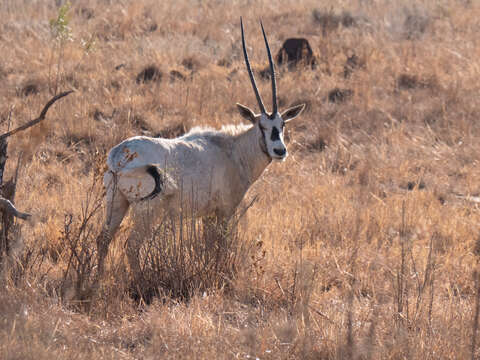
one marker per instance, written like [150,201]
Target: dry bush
[78,239]
[368,231]
[183,255]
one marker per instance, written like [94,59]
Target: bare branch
[9,208]
[37,120]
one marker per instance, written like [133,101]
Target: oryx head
[270,124]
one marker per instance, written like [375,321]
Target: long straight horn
[272,72]
[250,72]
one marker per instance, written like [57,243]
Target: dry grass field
[363,244]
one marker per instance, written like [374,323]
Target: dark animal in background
[296,51]
[352,63]
[150,73]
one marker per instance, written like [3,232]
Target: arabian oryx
[219,166]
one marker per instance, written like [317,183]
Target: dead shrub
[25,261]
[172,131]
[78,236]
[330,21]
[413,295]
[176,75]
[86,13]
[317,144]
[415,24]
[340,160]
[139,122]
[338,96]
[410,82]
[149,25]
[191,63]
[30,87]
[183,255]
[352,64]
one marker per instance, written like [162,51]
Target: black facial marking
[275,134]
[263,144]
[280,152]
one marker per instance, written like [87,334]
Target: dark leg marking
[153,171]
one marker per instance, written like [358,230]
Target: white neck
[249,155]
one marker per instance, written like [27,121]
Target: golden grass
[369,231]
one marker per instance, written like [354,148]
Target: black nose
[280,152]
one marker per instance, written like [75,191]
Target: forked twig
[9,208]
[38,119]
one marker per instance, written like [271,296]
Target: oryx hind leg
[144,217]
[116,208]
[148,188]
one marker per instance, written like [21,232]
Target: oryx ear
[247,113]
[292,113]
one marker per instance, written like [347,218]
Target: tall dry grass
[367,236]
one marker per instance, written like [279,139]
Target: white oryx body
[206,172]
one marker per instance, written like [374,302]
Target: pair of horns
[252,78]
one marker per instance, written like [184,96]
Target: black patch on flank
[275,134]
[153,171]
